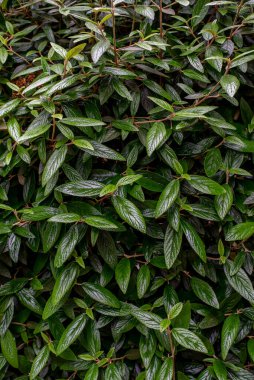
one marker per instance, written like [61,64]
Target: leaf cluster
[126,190]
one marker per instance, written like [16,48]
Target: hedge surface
[126,190]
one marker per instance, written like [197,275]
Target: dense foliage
[126,187]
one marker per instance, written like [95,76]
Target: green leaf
[101,295]
[92,373]
[4,229]
[167,370]
[147,348]
[204,292]
[155,136]
[81,188]
[53,164]
[214,57]
[112,373]
[34,132]
[188,340]
[81,143]
[241,231]
[40,82]
[59,49]
[240,282]
[250,346]
[219,123]
[75,51]
[162,103]
[39,362]
[124,125]
[101,223]
[14,128]
[3,195]
[9,349]
[213,162]
[220,370]
[8,107]
[229,333]
[167,197]
[175,310]
[122,274]
[239,144]
[103,151]
[122,90]
[196,75]
[143,280]
[129,213]
[241,59]
[108,189]
[172,245]
[128,179]
[50,234]
[51,309]
[27,299]
[66,246]
[71,333]
[64,282]
[150,320]
[230,84]
[193,113]
[12,286]
[23,154]
[205,185]
[82,122]
[145,11]
[199,11]
[223,202]
[194,239]
[62,85]
[65,218]
[99,49]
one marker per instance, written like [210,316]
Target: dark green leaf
[172,245]
[188,340]
[101,295]
[229,333]
[72,332]
[122,274]
[53,164]
[39,362]
[143,280]
[206,185]
[64,282]
[9,349]
[167,197]
[194,240]
[204,292]
[129,213]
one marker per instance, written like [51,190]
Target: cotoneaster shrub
[126,186]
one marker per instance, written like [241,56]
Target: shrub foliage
[126,189]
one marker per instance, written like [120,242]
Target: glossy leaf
[129,213]
[101,295]
[188,340]
[229,333]
[72,332]
[122,274]
[205,292]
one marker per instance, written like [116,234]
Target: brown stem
[65,68]
[18,55]
[172,349]
[114,31]
[161,14]
[53,130]
[236,16]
